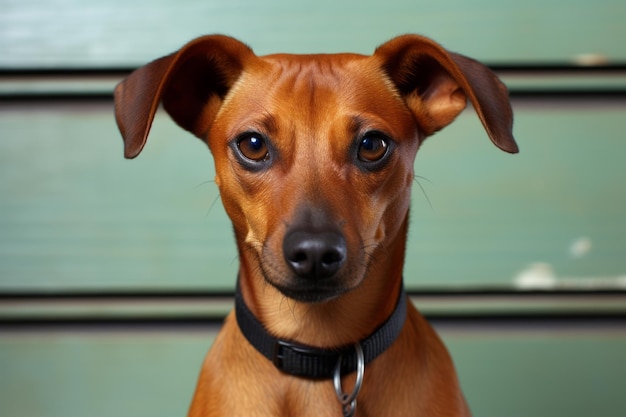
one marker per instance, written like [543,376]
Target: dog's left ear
[436,85]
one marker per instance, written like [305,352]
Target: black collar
[312,362]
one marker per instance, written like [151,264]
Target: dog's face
[314,161]
[313,154]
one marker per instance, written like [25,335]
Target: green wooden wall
[87,238]
[141,373]
[119,32]
[79,217]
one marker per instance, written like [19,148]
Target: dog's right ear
[191,83]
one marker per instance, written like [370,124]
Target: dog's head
[313,153]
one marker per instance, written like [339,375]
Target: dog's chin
[312,293]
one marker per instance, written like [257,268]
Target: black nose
[314,255]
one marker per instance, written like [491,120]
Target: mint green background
[550,372]
[74,215]
[121,32]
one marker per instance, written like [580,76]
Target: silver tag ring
[360,370]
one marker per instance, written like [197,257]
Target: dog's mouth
[311,292]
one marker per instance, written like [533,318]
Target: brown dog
[314,162]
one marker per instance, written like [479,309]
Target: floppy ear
[191,83]
[436,84]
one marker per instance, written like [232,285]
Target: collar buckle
[279,352]
[285,353]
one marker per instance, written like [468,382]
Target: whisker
[203,183]
[419,184]
[422,178]
[292,308]
[213,204]
[214,200]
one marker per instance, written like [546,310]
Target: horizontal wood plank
[78,33]
[76,216]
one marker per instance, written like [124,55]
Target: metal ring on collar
[345,399]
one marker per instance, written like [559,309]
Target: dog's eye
[253,147]
[373,147]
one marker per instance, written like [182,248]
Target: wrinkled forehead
[324,73]
[316,88]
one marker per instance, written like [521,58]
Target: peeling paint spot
[537,276]
[580,247]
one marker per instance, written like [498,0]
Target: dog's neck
[314,362]
[338,322]
[333,323]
